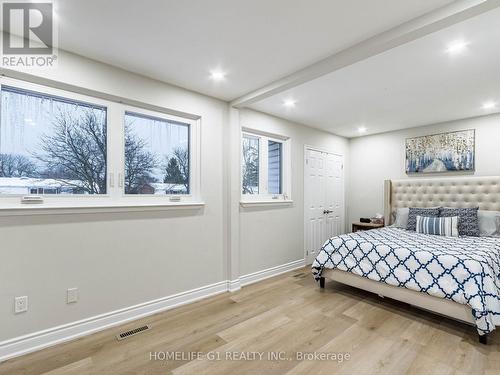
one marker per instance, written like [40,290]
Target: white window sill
[44,209]
[266,203]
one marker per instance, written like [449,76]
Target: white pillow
[489,223]
[401,218]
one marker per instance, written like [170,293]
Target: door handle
[327,211]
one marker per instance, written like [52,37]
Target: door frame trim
[342,224]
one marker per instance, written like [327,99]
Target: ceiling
[260,44]
[418,83]
[255,42]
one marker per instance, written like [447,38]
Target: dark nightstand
[357,226]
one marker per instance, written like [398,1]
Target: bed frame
[449,192]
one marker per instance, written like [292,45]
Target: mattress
[461,269]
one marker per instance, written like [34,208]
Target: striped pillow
[441,226]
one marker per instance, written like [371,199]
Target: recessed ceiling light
[456,47]
[289,103]
[217,75]
[362,129]
[489,105]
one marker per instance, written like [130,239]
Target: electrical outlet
[20,304]
[72,295]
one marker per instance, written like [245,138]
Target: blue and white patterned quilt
[463,269]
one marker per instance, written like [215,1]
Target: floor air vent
[132,332]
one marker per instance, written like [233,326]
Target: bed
[455,277]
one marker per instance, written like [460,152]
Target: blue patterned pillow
[441,226]
[416,211]
[468,222]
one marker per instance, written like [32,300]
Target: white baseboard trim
[270,272]
[32,342]
[233,285]
[39,340]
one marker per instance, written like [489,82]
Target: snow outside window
[156,155]
[51,145]
[76,150]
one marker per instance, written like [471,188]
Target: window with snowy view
[156,155]
[51,144]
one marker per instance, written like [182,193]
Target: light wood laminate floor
[285,314]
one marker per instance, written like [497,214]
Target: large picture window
[51,144]
[156,155]
[75,150]
[264,174]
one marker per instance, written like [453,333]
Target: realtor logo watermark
[29,34]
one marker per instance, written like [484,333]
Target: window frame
[194,158]
[115,199]
[66,199]
[264,196]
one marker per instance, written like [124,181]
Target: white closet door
[334,195]
[323,199]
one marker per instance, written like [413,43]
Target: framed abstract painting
[438,153]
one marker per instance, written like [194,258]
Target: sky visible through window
[50,145]
[156,155]
[26,118]
[55,145]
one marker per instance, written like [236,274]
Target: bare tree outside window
[12,165]
[250,165]
[139,163]
[74,151]
[57,145]
[51,145]
[156,155]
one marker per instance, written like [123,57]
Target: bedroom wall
[271,236]
[116,260]
[376,158]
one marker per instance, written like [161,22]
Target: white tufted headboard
[448,192]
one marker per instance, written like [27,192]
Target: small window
[262,167]
[51,144]
[157,155]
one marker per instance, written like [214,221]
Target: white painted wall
[118,260]
[376,158]
[115,259]
[271,236]
[122,259]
